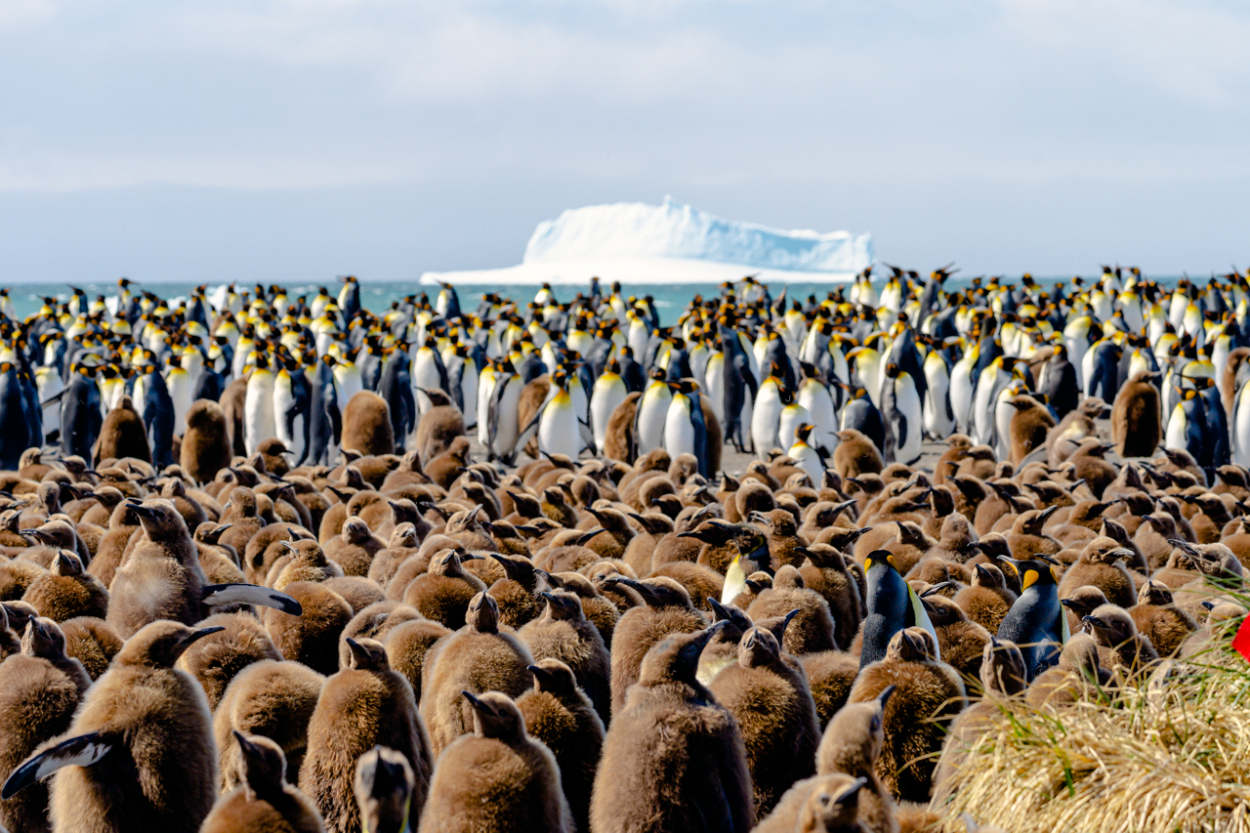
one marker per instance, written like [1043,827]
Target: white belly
[678,430]
[258,421]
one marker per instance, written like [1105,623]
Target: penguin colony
[257,577]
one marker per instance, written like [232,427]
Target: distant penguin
[904,420]
[939,416]
[766,417]
[365,704]
[1136,425]
[439,426]
[292,403]
[497,780]
[1058,382]
[699,778]
[608,393]
[121,435]
[81,417]
[685,431]
[367,425]
[652,413]
[140,750]
[205,446]
[559,421]
[860,414]
[1036,618]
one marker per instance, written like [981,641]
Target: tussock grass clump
[1168,751]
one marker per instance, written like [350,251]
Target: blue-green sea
[670,299]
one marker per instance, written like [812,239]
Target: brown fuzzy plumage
[928,694]
[497,780]
[66,591]
[122,435]
[852,746]
[812,628]
[215,662]
[776,716]
[443,594]
[560,714]
[437,428]
[407,647]
[264,802]
[698,778]
[641,628]
[162,772]
[161,578]
[479,657]
[270,698]
[820,804]
[367,425]
[1136,419]
[37,703]
[564,633]
[312,637]
[362,706]
[620,431]
[92,642]
[206,444]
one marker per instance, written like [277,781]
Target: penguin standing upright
[902,410]
[649,419]
[939,417]
[892,606]
[395,387]
[1058,382]
[292,401]
[685,431]
[608,393]
[1187,427]
[1036,617]
[559,423]
[259,422]
[503,416]
[815,396]
[325,422]
[157,410]
[81,414]
[766,417]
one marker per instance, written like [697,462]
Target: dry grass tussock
[1169,751]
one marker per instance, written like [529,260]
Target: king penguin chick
[962,641]
[821,804]
[852,745]
[363,705]
[1101,565]
[497,780]
[39,692]
[479,657]
[384,784]
[1159,619]
[776,716]
[928,694]
[1078,675]
[698,779]
[140,754]
[666,610]
[564,633]
[1119,643]
[558,713]
[263,802]
[67,591]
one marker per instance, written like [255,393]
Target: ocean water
[670,300]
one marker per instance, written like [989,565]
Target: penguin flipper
[215,595]
[920,619]
[83,750]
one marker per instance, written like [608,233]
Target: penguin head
[676,658]
[554,677]
[1033,571]
[758,647]
[1110,625]
[262,763]
[160,644]
[908,645]
[1003,668]
[562,606]
[879,560]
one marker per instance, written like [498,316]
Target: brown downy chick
[1100,565]
[812,629]
[92,642]
[1158,618]
[443,594]
[39,691]
[272,698]
[497,780]
[67,591]
[1078,676]
[307,562]
[820,804]
[827,573]
[988,599]
[481,656]
[1081,603]
[558,713]
[215,662]
[362,706]
[384,785]
[564,633]
[928,694]
[263,802]
[139,754]
[776,716]
[784,544]
[666,610]
[962,641]
[852,745]
[519,593]
[353,549]
[1003,675]
[698,778]
[1119,643]
[312,638]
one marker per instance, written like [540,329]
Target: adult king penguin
[1036,621]
[902,409]
[892,606]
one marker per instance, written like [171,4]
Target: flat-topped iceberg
[672,243]
[672,229]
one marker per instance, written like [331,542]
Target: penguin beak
[851,791]
[541,675]
[195,636]
[1094,621]
[785,623]
[481,707]
[884,696]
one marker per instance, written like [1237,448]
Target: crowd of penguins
[256,576]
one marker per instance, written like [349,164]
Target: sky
[285,140]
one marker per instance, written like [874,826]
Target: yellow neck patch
[1030,579]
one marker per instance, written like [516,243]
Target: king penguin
[559,423]
[685,431]
[1036,617]
[652,413]
[901,407]
[608,393]
[892,606]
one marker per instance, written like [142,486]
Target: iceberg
[672,243]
